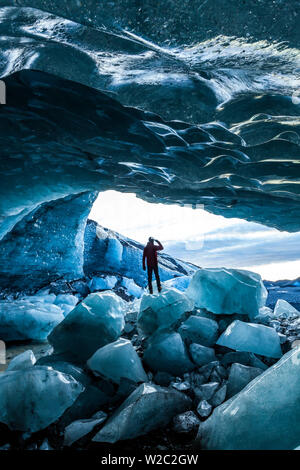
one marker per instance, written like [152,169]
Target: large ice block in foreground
[264,415]
[28,318]
[199,330]
[33,398]
[147,408]
[96,321]
[117,360]
[228,291]
[251,337]
[166,352]
[285,310]
[162,310]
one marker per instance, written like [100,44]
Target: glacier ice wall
[126,259]
[47,244]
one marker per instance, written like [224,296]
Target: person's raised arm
[159,247]
[144,257]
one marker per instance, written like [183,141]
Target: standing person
[150,252]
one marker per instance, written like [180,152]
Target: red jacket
[150,252]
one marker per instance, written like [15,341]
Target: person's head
[151,240]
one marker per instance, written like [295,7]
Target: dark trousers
[150,269]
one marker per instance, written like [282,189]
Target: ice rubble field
[207,359]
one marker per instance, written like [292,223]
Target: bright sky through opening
[197,236]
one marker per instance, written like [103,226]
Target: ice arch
[61,142]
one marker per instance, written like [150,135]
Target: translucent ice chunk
[285,310]
[204,409]
[22,361]
[132,287]
[180,282]
[117,360]
[201,354]
[239,377]
[31,399]
[147,408]
[82,427]
[96,321]
[227,291]
[102,283]
[259,339]
[199,330]
[166,352]
[186,422]
[162,310]
[265,415]
[28,318]
[66,299]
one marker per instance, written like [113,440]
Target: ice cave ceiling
[183,118]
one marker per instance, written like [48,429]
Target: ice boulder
[162,310]
[102,283]
[186,422]
[31,399]
[251,337]
[228,291]
[180,282]
[28,318]
[96,321]
[285,310]
[166,352]
[199,330]
[239,377]
[201,354]
[132,287]
[82,427]
[265,415]
[147,408]
[22,361]
[117,360]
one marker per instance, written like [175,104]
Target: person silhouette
[150,253]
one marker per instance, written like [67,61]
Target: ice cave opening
[94,357]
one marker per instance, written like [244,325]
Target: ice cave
[175,108]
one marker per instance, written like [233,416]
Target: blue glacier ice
[228,291]
[239,376]
[116,361]
[166,352]
[22,361]
[180,282]
[162,310]
[251,337]
[263,416]
[33,398]
[96,321]
[28,318]
[149,407]
[102,283]
[132,287]
[199,330]
[201,355]
[82,427]
[128,263]
[284,309]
